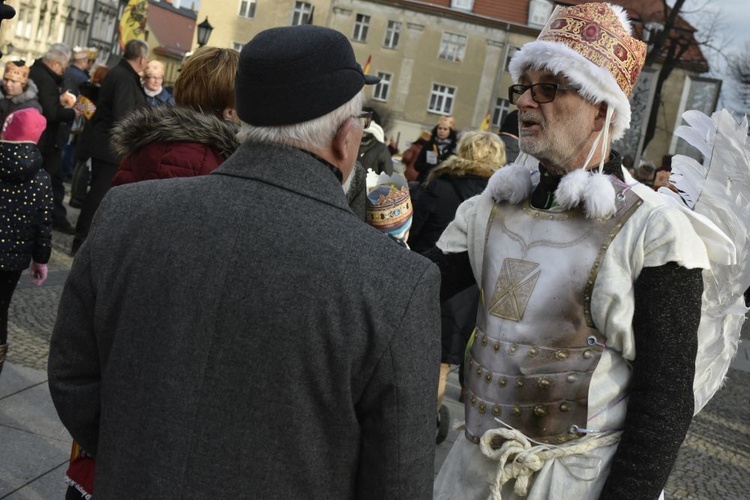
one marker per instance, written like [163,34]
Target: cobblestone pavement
[714,461]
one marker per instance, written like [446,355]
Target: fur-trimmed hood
[31,92]
[460,167]
[172,124]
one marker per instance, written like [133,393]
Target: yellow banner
[133,22]
[485,125]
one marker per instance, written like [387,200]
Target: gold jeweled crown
[596,32]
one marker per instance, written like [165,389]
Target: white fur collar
[581,187]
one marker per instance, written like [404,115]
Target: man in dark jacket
[121,92]
[47,75]
[254,339]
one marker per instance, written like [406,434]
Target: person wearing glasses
[579,373]
[244,334]
[153,79]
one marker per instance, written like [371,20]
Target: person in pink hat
[25,209]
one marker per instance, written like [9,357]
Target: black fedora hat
[295,74]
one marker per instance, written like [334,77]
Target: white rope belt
[519,459]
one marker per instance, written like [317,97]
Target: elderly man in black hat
[254,339]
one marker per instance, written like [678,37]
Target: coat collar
[55,77]
[286,168]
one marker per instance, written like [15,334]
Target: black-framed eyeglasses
[541,93]
[365,119]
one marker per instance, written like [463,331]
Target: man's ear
[601,116]
[342,141]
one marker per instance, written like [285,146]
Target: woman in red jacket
[192,138]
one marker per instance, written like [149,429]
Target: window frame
[439,95]
[467,5]
[451,50]
[301,13]
[361,27]
[250,6]
[386,79]
[501,109]
[392,36]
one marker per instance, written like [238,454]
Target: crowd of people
[264,304]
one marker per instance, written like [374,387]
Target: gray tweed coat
[244,335]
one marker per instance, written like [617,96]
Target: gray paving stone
[25,457]
[32,411]
[17,378]
[49,486]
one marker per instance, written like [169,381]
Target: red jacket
[165,142]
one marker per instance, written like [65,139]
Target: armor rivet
[540,410]
[484,341]
[482,408]
[516,412]
[550,217]
[513,348]
[562,355]
[587,354]
[591,340]
[479,371]
[473,400]
[488,377]
[533,351]
[519,383]
[620,197]
[565,407]
[497,410]
[544,382]
[497,347]
[502,382]
[572,378]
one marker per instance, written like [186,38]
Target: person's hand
[38,273]
[67,99]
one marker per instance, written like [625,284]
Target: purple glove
[38,273]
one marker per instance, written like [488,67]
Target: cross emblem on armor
[513,289]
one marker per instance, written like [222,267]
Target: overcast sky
[734,18]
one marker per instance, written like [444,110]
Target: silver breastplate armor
[535,346]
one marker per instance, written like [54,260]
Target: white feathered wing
[719,190]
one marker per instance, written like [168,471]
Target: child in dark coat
[25,209]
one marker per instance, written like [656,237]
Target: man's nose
[525,100]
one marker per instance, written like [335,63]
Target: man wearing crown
[579,374]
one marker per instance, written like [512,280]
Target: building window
[452,47]
[462,4]
[247,8]
[381,89]
[539,12]
[511,52]
[361,27]
[302,13]
[20,23]
[441,99]
[237,46]
[392,34]
[502,107]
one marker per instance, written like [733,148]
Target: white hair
[57,52]
[317,133]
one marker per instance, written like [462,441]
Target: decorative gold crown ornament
[591,45]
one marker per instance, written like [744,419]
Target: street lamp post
[204,32]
